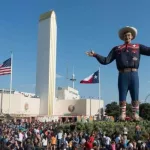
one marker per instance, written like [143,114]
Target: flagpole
[10,81]
[99,94]
[99,88]
[2,102]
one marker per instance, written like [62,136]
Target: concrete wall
[46,62]
[33,105]
[84,107]
[93,106]
[67,93]
[19,104]
[61,107]
[12,106]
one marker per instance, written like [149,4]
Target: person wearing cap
[127,58]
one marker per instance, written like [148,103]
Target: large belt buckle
[133,69]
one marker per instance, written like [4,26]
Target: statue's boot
[122,110]
[135,111]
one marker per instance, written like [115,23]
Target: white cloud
[58,76]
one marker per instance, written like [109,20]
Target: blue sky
[82,24]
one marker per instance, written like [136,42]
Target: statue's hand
[91,53]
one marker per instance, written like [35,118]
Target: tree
[145,111]
[112,109]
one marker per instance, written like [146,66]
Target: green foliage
[113,127]
[112,109]
[89,127]
[80,126]
[116,127]
[145,111]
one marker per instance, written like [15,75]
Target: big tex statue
[127,58]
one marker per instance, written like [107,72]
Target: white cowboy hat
[123,30]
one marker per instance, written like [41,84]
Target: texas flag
[93,78]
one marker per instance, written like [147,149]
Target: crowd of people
[48,136]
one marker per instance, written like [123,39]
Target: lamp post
[2,101]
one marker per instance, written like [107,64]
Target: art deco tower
[46,62]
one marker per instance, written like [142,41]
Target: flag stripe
[5,73]
[88,78]
[1,69]
[87,81]
[5,68]
[93,78]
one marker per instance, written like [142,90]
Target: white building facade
[46,62]
[26,104]
[19,104]
[67,93]
[85,107]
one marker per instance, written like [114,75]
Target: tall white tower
[46,62]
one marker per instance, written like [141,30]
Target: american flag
[5,68]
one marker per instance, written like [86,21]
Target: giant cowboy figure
[127,58]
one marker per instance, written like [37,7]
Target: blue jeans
[128,81]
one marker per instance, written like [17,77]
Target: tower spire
[73,78]
[67,77]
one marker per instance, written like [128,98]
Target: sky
[81,25]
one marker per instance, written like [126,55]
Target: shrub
[112,127]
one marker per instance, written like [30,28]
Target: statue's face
[128,37]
